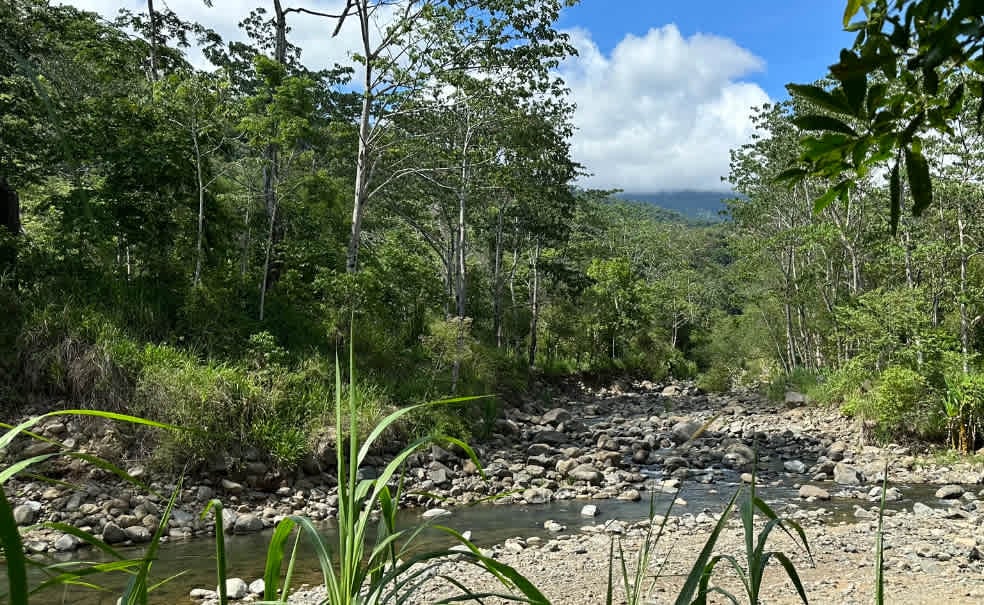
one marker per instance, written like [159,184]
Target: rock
[138,533]
[813,491]
[236,588]
[442,455]
[66,543]
[257,586]
[747,478]
[549,437]
[434,513]
[684,431]
[204,493]
[27,513]
[845,474]
[440,475]
[232,487]
[566,465]
[248,524]
[795,399]
[630,495]
[586,472]
[556,415]
[948,492]
[836,451]
[738,455]
[921,510]
[794,466]
[675,462]
[671,390]
[537,495]
[113,534]
[553,526]
[589,510]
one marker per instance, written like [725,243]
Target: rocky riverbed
[617,443]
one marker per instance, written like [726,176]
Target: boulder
[795,399]
[684,431]
[113,534]
[555,416]
[795,466]
[434,513]
[537,495]
[949,492]
[236,588]
[248,524]
[586,472]
[589,510]
[27,513]
[845,474]
[138,534]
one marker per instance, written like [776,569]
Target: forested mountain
[699,205]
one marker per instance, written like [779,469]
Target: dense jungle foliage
[194,245]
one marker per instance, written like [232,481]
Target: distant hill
[695,205]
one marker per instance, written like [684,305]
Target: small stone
[236,588]
[586,472]
[257,586]
[66,543]
[948,492]
[138,533]
[537,495]
[553,526]
[813,491]
[921,510]
[434,513]
[248,524]
[201,593]
[113,534]
[795,466]
[232,487]
[27,513]
[630,495]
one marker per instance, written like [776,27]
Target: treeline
[885,323]
[195,245]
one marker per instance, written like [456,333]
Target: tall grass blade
[13,550]
[880,545]
[220,554]
[137,589]
[694,577]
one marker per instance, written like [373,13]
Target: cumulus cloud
[661,111]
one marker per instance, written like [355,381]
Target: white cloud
[661,111]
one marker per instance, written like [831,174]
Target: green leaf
[697,571]
[13,550]
[852,8]
[917,169]
[820,97]
[820,122]
[910,130]
[793,175]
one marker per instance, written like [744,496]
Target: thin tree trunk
[362,164]
[265,285]
[964,322]
[497,283]
[201,210]
[534,303]
[152,14]
[911,282]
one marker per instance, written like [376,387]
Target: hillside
[702,205]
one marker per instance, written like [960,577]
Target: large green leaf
[820,97]
[821,122]
[852,8]
[13,550]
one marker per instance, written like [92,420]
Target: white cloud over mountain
[661,111]
[658,112]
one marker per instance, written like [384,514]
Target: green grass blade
[13,550]
[694,577]
[880,545]
[136,590]
[793,575]
[610,592]
[20,465]
[220,556]
[275,558]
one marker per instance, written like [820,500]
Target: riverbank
[618,443]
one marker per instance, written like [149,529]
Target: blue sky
[664,89]
[797,39]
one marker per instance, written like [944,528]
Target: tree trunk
[497,283]
[362,163]
[201,210]
[534,302]
[964,322]
[152,14]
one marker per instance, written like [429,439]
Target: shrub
[962,415]
[898,405]
[715,380]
